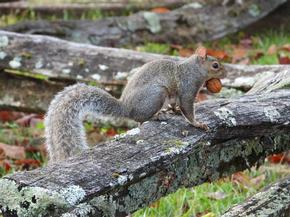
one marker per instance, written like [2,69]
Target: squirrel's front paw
[200,125]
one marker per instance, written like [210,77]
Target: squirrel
[142,98]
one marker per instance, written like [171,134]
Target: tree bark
[273,201]
[208,20]
[77,9]
[46,65]
[135,169]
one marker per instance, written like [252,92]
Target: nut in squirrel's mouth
[214,85]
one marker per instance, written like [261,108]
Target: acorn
[214,85]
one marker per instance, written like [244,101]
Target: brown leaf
[6,165]
[238,54]
[26,120]
[28,162]
[242,179]
[160,10]
[280,158]
[286,47]
[258,55]
[272,49]
[9,116]
[15,152]
[257,181]
[284,60]
[185,52]
[217,53]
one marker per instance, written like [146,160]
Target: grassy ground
[213,199]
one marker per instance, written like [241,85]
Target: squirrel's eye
[215,65]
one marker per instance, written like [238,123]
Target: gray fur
[142,98]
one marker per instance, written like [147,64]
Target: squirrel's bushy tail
[64,131]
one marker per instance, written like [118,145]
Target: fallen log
[22,61]
[198,21]
[79,8]
[133,170]
[56,59]
[273,201]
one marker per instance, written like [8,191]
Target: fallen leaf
[285,47]
[272,49]
[28,162]
[276,158]
[111,132]
[242,179]
[217,53]
[284,60]
[160,10]
[280,158]
[257,181]
[238,54]
[29,120]
[185,52]
[218,195]
[9,116]
[6,165]
[15,152]
[258,55]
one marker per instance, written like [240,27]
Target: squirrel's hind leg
[147,103]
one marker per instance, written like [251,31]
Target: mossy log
[198,21]
[46,65]
[272,201]
[54,59]
[117,177]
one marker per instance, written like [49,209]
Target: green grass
[193,201]
[157,48]
[10,19]
[261,43]
[265,41]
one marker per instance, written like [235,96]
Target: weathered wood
[26,94]
[273,201]
[270,82]
[77,8]
[133,170]
[72,61]
[67,62]
[203,21]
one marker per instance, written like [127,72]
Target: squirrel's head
[210,64]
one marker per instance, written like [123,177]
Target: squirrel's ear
[201,51]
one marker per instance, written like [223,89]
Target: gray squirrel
[143,97]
